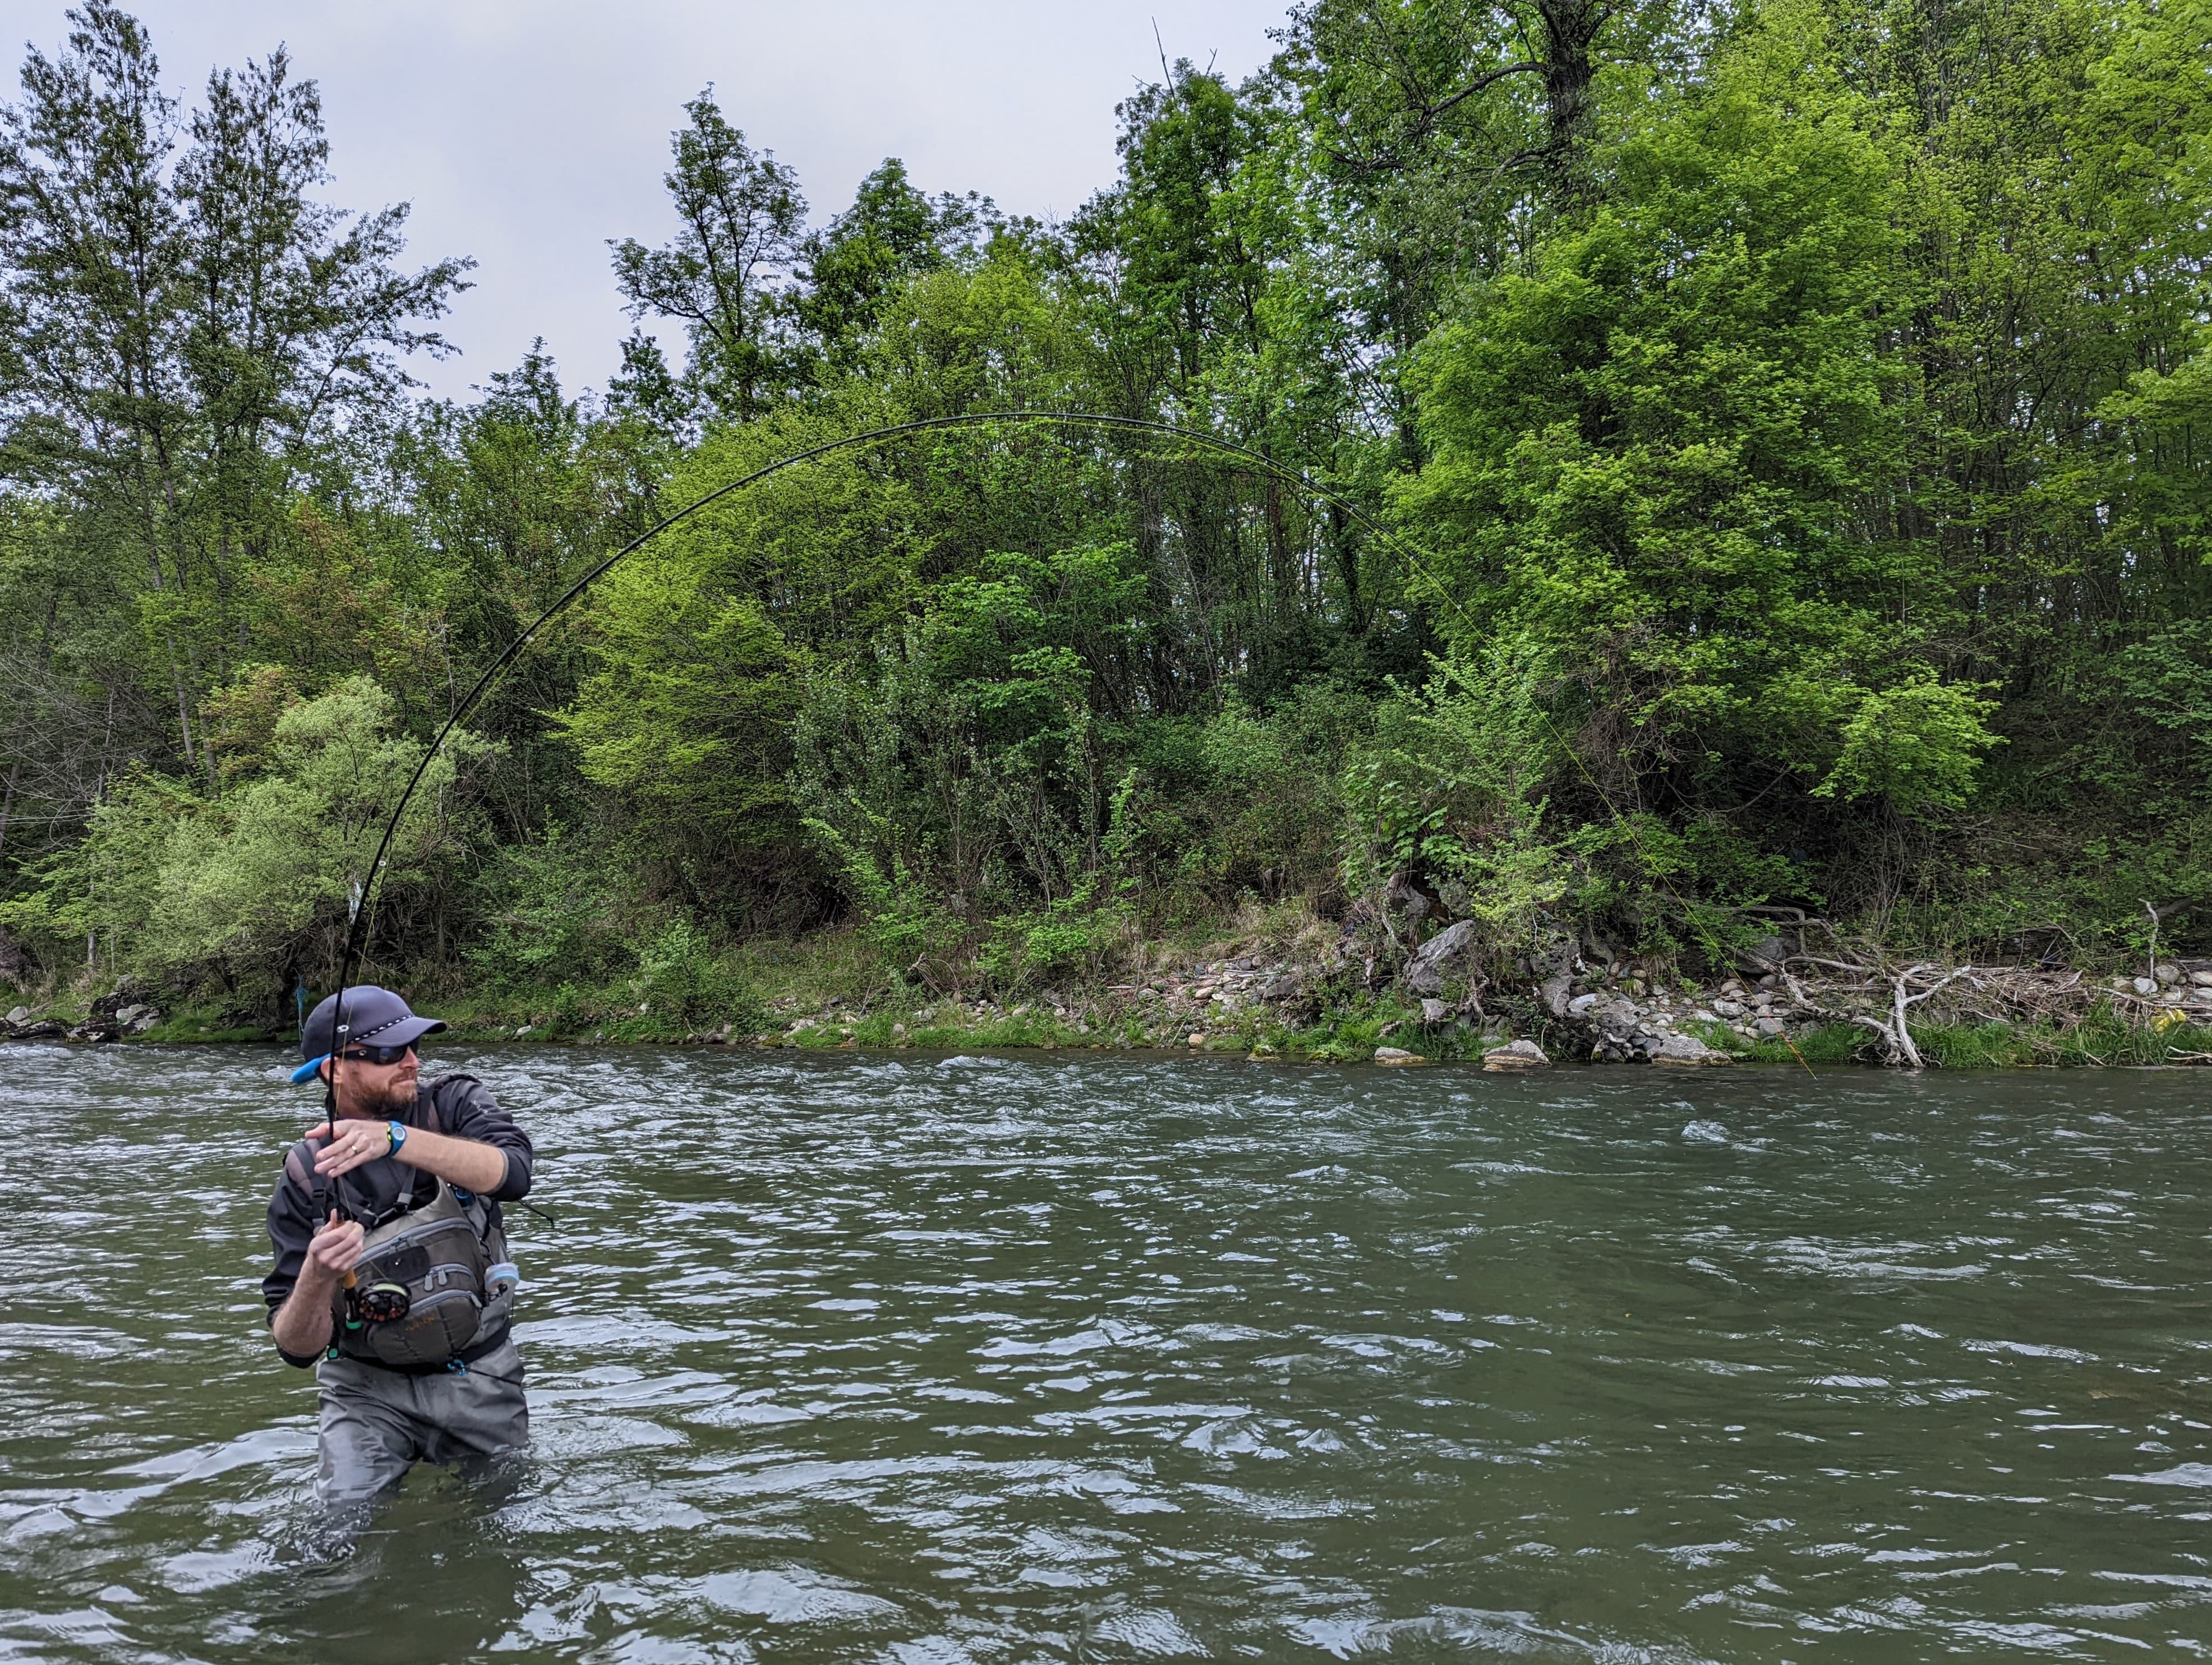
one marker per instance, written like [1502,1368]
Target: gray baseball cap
[374,1016]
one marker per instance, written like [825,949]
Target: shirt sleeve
[291,1227]
[470,1111]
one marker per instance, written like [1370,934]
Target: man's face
[376,1091]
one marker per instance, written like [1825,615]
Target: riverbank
[1298,989]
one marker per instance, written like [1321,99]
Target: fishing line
[1415,560]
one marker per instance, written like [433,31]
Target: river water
[937,1359]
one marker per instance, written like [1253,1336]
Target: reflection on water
[942,1359]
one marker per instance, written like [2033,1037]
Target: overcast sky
[527,135]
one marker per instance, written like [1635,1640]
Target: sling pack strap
[324,1190]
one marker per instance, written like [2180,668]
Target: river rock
[1556,958]
[1613,1023]
[1424,974]
[1682,1050]
[21,1014]
[1769,1028]
[1402,895]
[1398,1056]
[1765,955]
[2144,986]
[1728,1008]
[1515,1055]
[40,1028]
[1434,1012]
[2167,974]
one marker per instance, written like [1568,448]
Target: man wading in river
[392,1266]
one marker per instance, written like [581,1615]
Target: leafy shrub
[181,884]
[684,982]
[1451,787]
[552,907]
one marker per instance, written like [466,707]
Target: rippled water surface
[974,1358]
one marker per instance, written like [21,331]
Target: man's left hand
[358,1141]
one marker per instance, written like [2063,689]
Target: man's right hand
[302,1326]
[332,1252]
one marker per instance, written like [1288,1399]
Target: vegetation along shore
[1792,640]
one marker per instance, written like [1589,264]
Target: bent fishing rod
[365,889]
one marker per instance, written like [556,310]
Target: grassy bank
[833,992]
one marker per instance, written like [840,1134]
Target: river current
[936,1359]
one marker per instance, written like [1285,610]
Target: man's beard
[399,1095]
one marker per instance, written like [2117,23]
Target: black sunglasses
[368,1055]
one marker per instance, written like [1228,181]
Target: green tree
[890,235]
[187,326]
[258,883]
[726,275]
[1653,450]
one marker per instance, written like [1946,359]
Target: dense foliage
[1796,414]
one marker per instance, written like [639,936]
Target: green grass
[200,1027]
[1832,1044]
[2102,1041]
[1348,1033]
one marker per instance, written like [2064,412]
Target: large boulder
[1406,899]
[1681,1051]
[1765,955]
[1614,1026]
[1515,1057]
[126,992]
[1555,958]
[1436,959]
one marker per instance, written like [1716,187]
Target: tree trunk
[1570,26]
[8,804]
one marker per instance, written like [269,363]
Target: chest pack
[425,1284]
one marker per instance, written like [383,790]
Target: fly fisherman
[391,1266]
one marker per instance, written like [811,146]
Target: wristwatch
[397,1133]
